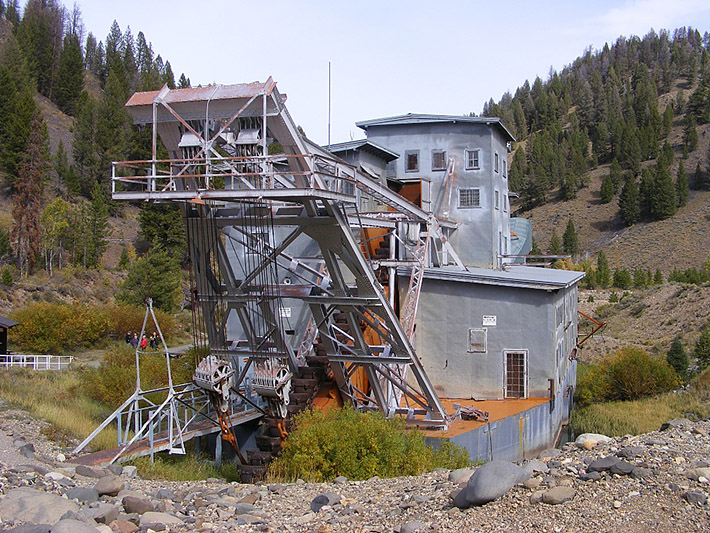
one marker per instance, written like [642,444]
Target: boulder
[130,471]
[153,517]
[34,506]
[695,497]
[558,495]
[461,475]
[603,464]
[109,485]
[137,505]
[697,473]
[123,526]
[490,482]
[328,498]
[533,467]
[73,526]
[27,450]
[594,438]
[550,453]
[84,495]
[676,423]
[413,527]
[622,468]
[85,471]
[105,513]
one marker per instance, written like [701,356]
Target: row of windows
[472,198]
[439,161]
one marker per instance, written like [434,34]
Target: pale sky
[387,57]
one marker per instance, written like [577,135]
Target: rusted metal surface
[198,94]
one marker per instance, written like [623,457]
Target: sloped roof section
[419,118]
[7,323]
[366,146]
[199,94]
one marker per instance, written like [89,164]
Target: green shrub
[622,279]
[357,445]
[592,387]
[6,278]
[590,299]
[124,317]
[613,298]
[115,380]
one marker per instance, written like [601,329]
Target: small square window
[469,198]
[411,161]
[472,159]
[495,165]
[438,159]
[497,200]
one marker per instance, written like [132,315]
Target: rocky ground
[653,482]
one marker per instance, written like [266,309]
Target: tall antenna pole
[328,105]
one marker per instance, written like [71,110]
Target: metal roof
[7,323]
[513,276]
[199,94]
[366,146]
[419,118]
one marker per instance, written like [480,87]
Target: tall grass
[60,399]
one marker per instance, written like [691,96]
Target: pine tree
[603,272]
[98,226]
[155,275]
[616,174]
[646,192]
[69,80]
[163,224]
[622,278]
[699,182]
[85,152]
[677,357]
[681,185]
[607,190]
[26,230]
[690,133]
[168,76]
[658,277]
[570,239]
[183,82]
[555,247]
[663,200]
[629,205]
[112,122]
[702,349]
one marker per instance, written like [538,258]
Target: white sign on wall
[489,320]
[285,312]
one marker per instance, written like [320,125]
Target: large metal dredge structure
[282,273]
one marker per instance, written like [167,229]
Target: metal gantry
[275,240]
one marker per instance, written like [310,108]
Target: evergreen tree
[658,277]
[622,278]
[681,186]
[69,81]
[183,82]
[646,192]
[665,158]
[702,349]
[699,181]
[97,226]
[26,211]
[629,204]
[570,239]
[607,190]
[163,224]
[663,200]
[690,133]
[84,147]
[667,120]
[155,275]
[677,357]
[90,53]
[555,247]
[640,279]
[112,122]
[616,175]
[603,272]
[168,76]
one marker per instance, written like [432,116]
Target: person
[154,341]
[144,342]
[134,341]
[128,338]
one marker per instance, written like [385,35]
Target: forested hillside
[58,82]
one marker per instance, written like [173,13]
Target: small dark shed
[5,324]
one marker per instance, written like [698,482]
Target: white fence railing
[36,362]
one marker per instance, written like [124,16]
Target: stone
[123,526]
[130,471]
[490,482]
[61,457]
[532,483]
[55,476]
[595,438]
[73,526]
[589,444]
[622,468]
[641,472]
[85,471]
[153,517]
[550,453]
[27,450]
[461,475]
[165,494]
[31,528]
[630,452]
[676,423]
[603,464]
[251,498]
[558,495]
[536,497]
[340,480]
[413,527]
[115,469]
[105,513]
[110,485]
[103,528]
[695,497]
[328,498]
[533,467]
[697,473]
[137,505]
[243,508]
[84,495]
[31,505]
[591,476]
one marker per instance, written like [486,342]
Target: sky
[387,57]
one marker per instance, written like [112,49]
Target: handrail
[36,362]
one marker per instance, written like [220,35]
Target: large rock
[533,467]
[592,439]
[603,464]
[490,482]
[85,471]
[34,506]
[109,485]
[676,423]
[153,517]
[329,498]
[461,475]
[73,526]
[558,495]
[105,513]
[137,505]
[84,495]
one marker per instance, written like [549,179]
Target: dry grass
[57,397]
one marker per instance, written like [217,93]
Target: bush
[124,317]
[629,374]
[357,445]
[6,278]
[622,279]
[613,298]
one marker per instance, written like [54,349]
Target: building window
[472,159]
[477,340]
[515,374]
[505,168]
[438,159]
[469,198]
[497,199]
[411,161]
[505,203]
[495,164]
